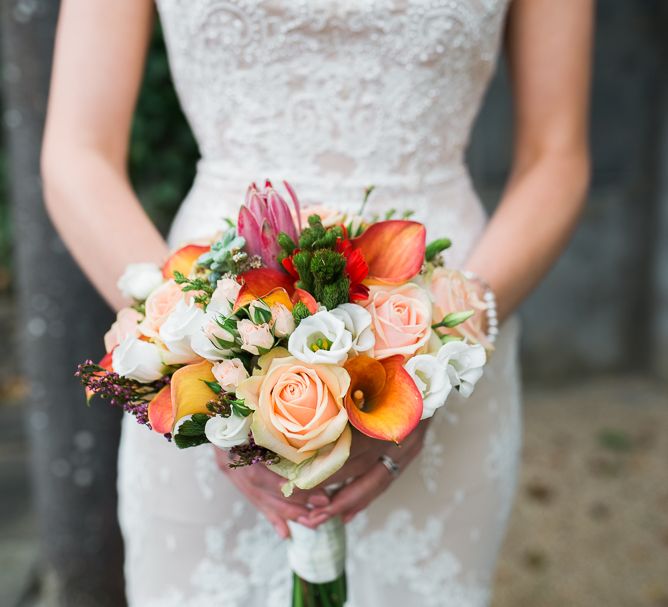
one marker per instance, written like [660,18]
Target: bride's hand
[262,488]
[370,477]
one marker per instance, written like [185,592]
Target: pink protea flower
[263,217]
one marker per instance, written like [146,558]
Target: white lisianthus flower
[357,320]
[223,298]
[431,377]
[321,338]
[227,432]
[464,363]
[177,332]
[256,339]
[229,373]
[139,279]
[137,359]
[283,321]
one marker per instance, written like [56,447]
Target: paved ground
[590,526]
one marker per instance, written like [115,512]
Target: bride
[332,95]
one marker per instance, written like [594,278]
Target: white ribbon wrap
[318,555]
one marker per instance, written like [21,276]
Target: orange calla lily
[255,284]
[183,260]
[189,392]
[393,250]
[160,412]
[383,401]
[272,286]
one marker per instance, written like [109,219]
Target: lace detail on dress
[354,89]
[333,95]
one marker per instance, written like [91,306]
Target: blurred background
[590,525]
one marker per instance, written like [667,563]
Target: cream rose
[139,280]
[400,318]
[298,407]
[229,373]
[255,339]
[227,432]
[223,298]
[126,325]
[282,320]
[431,377]
[137,359]
[321,338]
[451,291]
[465,364]
[159,306]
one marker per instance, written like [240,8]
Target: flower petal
[258,283]
[393,249]
[249,229]
[318,469]
[189,392]
[183,260]
[392,403]
[161,412]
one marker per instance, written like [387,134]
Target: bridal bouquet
[289,332]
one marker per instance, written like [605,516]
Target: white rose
[223,298]
[227,432]
[255,339]
[283,321]
[321,338]
[137,359]
[357,320]
[139,279]
[177,332]
[229,373]
[431,377]
[464,363]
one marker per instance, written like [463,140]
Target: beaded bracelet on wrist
[489,300]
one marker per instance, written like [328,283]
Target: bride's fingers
[357,495]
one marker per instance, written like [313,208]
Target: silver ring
[390,465]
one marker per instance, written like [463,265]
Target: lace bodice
[355,91]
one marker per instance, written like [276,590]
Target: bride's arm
[549,47]
[100,52]
[549,51]
[98,64]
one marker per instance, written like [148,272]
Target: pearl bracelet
[489,300]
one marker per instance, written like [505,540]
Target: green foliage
[320,267]
[436,247]
[300,312]
[201,286]
[191,432]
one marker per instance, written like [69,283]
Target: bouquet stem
[329,594]
[317,558]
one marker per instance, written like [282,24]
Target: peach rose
[126,325]
[298,406]
[452,292]
[400,319]
[159,305]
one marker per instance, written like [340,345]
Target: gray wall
[603,307]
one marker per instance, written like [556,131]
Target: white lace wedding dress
[333,95]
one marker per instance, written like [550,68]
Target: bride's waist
[228,183]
